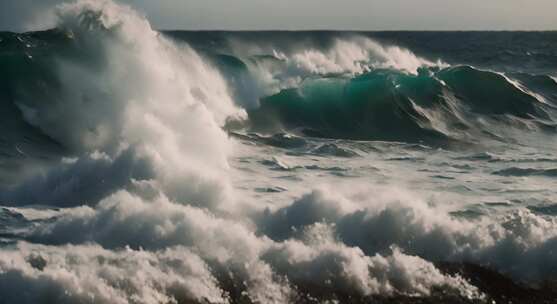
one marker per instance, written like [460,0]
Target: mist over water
[212,167]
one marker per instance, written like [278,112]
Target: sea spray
[143,197]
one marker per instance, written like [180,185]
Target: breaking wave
[352,87]
[130,196]
[437,106]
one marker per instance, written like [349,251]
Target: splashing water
[156,170]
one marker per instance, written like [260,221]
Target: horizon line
[351,30]
[324,30]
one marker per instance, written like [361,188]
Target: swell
[25,75]
[455,104]
[347,89]
[364,86]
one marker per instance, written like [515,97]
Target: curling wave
[453,104]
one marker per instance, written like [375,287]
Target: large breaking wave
[357,89]
[437,107]
[351,87]
[126,130]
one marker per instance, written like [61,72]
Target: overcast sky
[19,15]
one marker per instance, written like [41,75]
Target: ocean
[145,166]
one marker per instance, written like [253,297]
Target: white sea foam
[375,218]
[136,94]
[356,56]
[149,214]
[347,56]
[76,274]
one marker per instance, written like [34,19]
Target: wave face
[435,106]
[347,86]
[139,166]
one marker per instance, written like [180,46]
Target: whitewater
[144,166]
